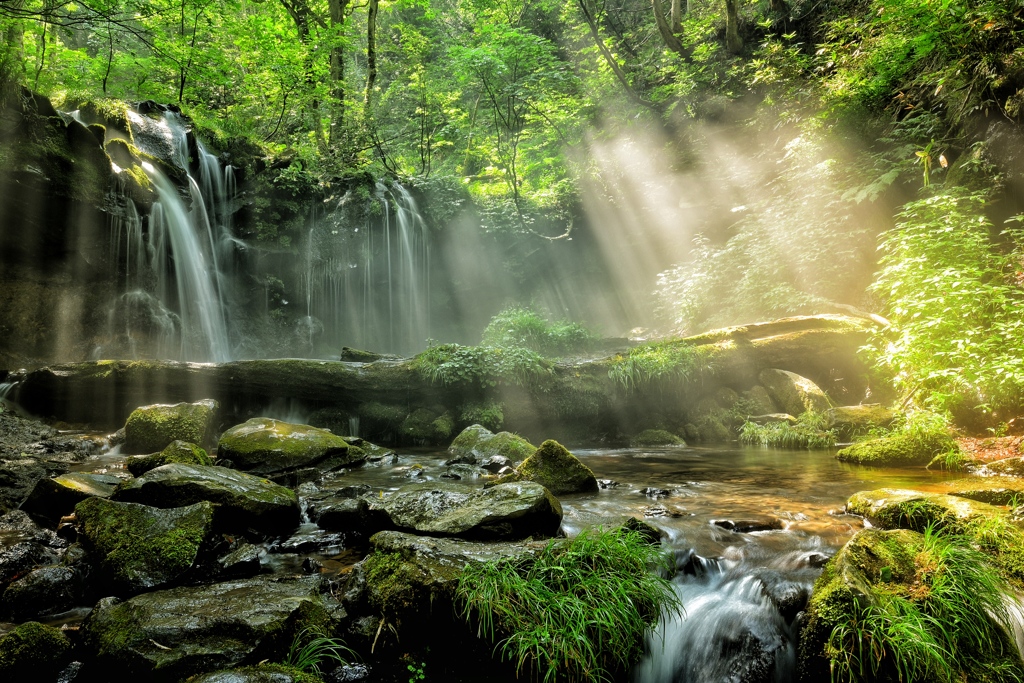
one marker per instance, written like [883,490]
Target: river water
[741,587]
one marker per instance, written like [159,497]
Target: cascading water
[368,285]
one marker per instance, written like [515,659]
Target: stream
[749,529]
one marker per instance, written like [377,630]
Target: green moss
[140,546]
[32,652]
[425,426]
[392,582]
[488,415]
[671,360]
[555,468]
[655,437]
[261,673]
[151,428]
[897,449]
[176,451]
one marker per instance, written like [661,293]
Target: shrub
[810,431]
[519,327]
[578,610]
[483,365]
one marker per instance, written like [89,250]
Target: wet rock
[907,509]
[349,514]
[851,421]
[506,511]
[169,635]
[476,443]
[789,597]
[772,418]
[25,546]
[795,394]
[138,547]
[33,652]
[307,539]
[242,562]
[424,426]
[47,590]
[1009,467]
[495,463]
[349,673]
[350,355]
[150,429]
[747,526]
[655,437]
[265,446]
[608,484]
[18,476]
[554,468]
[463,471]
[758,401]
[655,511]
[244,501]
[312,566]
[991,490]
[176,451]
[652,492]
[650,533]
[897,450]
[52,499]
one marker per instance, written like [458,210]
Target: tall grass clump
[578,610]
[517,326]
[949,624]
[312,647]
[811,431]
[663,360]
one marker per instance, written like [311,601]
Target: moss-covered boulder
[508,511]
[554,468]
[991,490]
[655,437]
[168,635]
[176,451]
[139,547]
[476,444]
[908,509]
[757,401]
[851,421]
[54,498]
[794,394]
[44,591]
[424,426]
[262,673]
[1008,467]
[897,450]
[263,445]
[244,501]
[150,429]
[33,652]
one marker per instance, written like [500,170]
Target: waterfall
[367,280]
[174,277]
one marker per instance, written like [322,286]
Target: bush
[578,610]
[520,327]
[484,365]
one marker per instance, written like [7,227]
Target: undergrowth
[484,365]
[811,431]
[577,611]
[519,327]
[664,360]
[950,624]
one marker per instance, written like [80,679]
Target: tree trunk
[338,9]
[733,42]
[371,52]
[670,39]
[677,17]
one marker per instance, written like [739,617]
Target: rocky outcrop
[152,428]
[991,490]
[508,511]
[908,509]
[168,635]
[243,501]
[554,468]
[266,446]
[138,547]
[52,499]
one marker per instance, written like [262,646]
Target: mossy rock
[261,673]
[168,635]
[897,450]
[555,468]
[140,547]
[350,355]
[243,500]
[758,401]
[336,420]
[794,394]
[916,510]
[54,498]
[851,421]
[33,652]
[871,557]
[150,429]
[477,443]
[425,427]
[655,437]
[263,445]
[381,418]
[991,490]
[712,428]
[176,451]
[1008,467]
[491,416]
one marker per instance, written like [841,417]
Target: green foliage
[516,326]
[312,647]
[489,415]
[486,366]
[578,610]
[954,303]
[674,359]
[949,624]
[918,438]
[811,431]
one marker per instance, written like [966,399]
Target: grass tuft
[312,647]
[811,431]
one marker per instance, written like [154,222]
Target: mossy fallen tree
[572,400]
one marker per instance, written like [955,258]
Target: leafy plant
[811,431]
[483,365]
[312,647]
[516,326]
[673,359]
[576,611]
